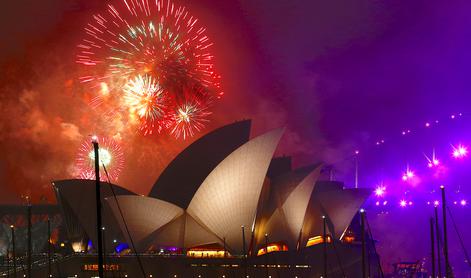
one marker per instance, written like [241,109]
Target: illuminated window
[316,240]
[348,236]
[207,252]
[273,247]
[78,247]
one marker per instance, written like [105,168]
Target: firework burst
[146,100]
[188,118]
[110,154]
[145,50]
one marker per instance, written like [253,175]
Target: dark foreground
[342,260]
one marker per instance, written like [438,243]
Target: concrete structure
[76,199]
[197,161]
[220,183]
[228,197]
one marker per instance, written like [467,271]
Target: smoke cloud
[47,116]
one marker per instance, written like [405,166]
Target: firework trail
[110,153]
[188,118]
[148,53]
[147,101]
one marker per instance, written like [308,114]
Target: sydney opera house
[224,207]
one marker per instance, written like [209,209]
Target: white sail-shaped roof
[341,206]
[171,234]
[77,198]
[294,209]
[286,222]
[228,197]
[338,205]
[143,215]
[183,232]
[196,234]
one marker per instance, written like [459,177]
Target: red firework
[188,118]
[111,156]
[147,101]
[150,40]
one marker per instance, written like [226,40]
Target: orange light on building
[54,236]
[349,237]
[273,247]
[78,247]
[207,253]
[316,240]
[94,267]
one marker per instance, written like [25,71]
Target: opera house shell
[225,191]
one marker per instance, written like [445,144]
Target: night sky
[340,75]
